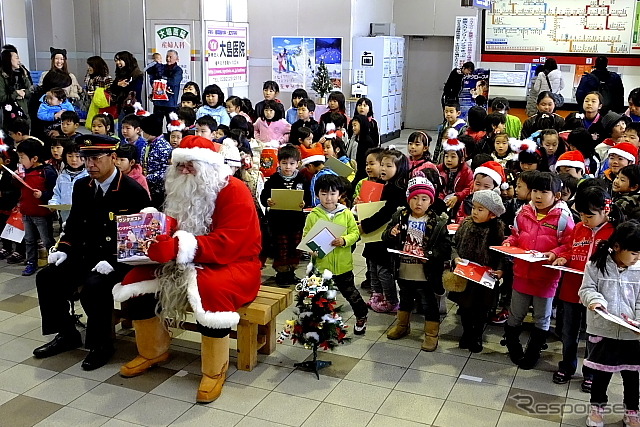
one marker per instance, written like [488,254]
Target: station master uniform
[89,242]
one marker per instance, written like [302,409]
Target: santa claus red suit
[209,266]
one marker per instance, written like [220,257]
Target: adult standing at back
[15,85]
[608,83]
[128,78]
[49,79]
[549,79]
[170,72]
[453,84]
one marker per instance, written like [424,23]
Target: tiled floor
[372,382]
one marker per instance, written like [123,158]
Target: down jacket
[618,292]
[461,183]
[585,240]
[275,131]
[553,233]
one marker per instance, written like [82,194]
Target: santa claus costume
[210,264]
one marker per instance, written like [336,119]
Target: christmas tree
[318,323]
[321,83]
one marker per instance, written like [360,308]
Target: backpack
[605,91]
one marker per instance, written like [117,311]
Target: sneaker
[586,385]
[384,307]
[360,327]
[29,270]
[366,284]
[15,258]
[501,317]
[631,419]
[595,418]
[4,253]
[375,299]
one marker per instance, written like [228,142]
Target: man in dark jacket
[454,83]
[86,255]
[608,83]
[172,73]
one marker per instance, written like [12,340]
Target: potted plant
[321,83]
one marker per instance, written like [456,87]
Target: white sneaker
[595,418]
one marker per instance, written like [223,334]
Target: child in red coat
[456,174]
[595,207]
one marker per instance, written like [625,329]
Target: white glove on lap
[57,258]
[103,267]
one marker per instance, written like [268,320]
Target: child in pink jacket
[544,225]
[271,126]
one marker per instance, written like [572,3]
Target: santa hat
[231,153]
[518,146]
[626,150]
[199,149]
[573,159]
[452,143]
[420,185]
[313,154]
[496,172]
[139,111]
[331,132]
[174,124]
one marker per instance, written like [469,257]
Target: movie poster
[294,61]
[475,91]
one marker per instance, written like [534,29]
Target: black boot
[475,345]
[281,279]
[532,354]
[467,330]
[512,341]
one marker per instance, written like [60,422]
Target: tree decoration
[318,323]
[321,82]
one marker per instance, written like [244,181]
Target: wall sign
[226,53]
[175,37]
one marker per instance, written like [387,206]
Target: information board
[590,27]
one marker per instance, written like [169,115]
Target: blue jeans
[572,314]
[37,227]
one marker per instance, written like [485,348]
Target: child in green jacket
[339,261]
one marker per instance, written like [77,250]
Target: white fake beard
[190,199]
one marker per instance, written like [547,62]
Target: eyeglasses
[188,166]
[92,159]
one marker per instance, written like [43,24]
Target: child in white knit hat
[481,229]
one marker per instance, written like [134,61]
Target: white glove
[149,209]
[57,258]
[103,267]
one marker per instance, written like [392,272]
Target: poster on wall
[464,41]
[475,91]
[175,37]
[294,61]
[226,53]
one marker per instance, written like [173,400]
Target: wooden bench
[257,328]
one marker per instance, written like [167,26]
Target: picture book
[137,232]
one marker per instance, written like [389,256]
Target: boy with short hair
[189,100]
[291,114]
[339,261]
[127,164]
[156,157]
[626,191]
[206,127]
[69,124]
[73,170]
[132,134]
[306,108]
[313,164]
[18,129]
[632,133]
[286,226]
[38,221]
[451,120]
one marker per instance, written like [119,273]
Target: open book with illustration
[475,272]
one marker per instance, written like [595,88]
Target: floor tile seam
[130,403]
[58,373]
[172,421]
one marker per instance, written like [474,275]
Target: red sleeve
[235,228]
[463,189]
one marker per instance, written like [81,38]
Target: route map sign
[582,27]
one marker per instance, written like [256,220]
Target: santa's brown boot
[152,340]
[215,361]
[431,331]
[402,326]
